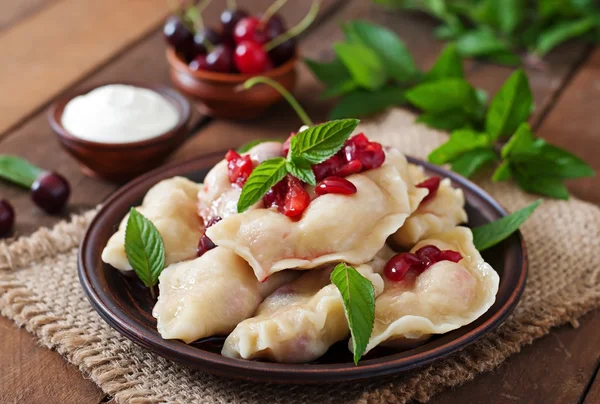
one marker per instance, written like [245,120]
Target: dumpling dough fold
[171,206]
[298,322]
[210,295]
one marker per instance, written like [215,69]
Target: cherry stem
[273,8]
[285,93]
[298,29]
[231,4]
[194,13]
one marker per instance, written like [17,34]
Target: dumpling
[218,196]
[171,206]
[443,298]
[210,295]
[444,211]
[297,323]
[334,228]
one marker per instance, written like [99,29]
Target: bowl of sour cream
[119,131]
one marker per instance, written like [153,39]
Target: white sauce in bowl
[119,113]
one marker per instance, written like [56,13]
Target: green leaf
[510,107]
[509,13]
[301,170]
[479,43]
[318,143]
[365,67]
[503,172]
[504,58]
[562,32]
[521,142]
[491,234]
[450,120]
[551,161]
[448,65]
[248,146]
[18,170]
[461,141]
[334,75]
[443,95]
[358,296]
[144,248]
[263,178]
[363,103]
[547,186]
[338,89]
[470,162]
[397,60]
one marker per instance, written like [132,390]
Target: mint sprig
[262,178]
[318,143]
[358,297]
[144,249]
[18,170]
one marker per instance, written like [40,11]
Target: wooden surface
[116,45]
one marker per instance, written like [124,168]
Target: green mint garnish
[18,171]
[263,177]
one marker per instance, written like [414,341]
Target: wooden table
[52,46]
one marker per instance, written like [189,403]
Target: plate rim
[286,373]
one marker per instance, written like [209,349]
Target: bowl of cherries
[209,64]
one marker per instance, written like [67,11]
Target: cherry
[275,26]
[50,191]
[296,199]
[370,154]
[335,185]
[328,167]
[205,243]
[239,167]
[220,59]
[275,197]
[229,20]
[7,218]
[203,36]
[179,36]
[351,167]
[250,29]
[284,52]
[199,63]
[432,184]
[251,58]
[399,265]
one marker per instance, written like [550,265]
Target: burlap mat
[40,290]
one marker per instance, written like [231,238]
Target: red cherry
[239,167]
[428,255]
[275,197]
[284,52]
[199,63]
[449,255]
[229,19]
[296,198]
[203,36]
[205,244]
[179,37]
[274,27]
[250,29]
[50,191]
[220,59]
[352,167]
[399,265]
[7,218]
[329,167]
[251,58]
[335,185]
[432,184]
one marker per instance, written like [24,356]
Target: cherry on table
[202,37]
[250,29]
[7,218]
[178,36]
[50,191]
[220,59]
[283,52]
[229,19]
[251,58]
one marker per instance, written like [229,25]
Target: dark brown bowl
[121,162]
[218,94]
[126,305]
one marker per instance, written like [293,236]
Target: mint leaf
[461,141]
[318,143]
[450,120]
[365,67]
[302,171]
[248,146]
[562,32]
[338,89]
[144,248]
[397,60]
[18,170]
[551,161]
[547,186]
[334,75]
[491,234]
[263,177]
[479,43]
[443,95]
[509,13]
[448,65]
[502,173]
[521,142]
[470,162]
[510,107]
[363,103]
[358,296]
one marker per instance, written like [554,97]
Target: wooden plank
[593,395]
[62,43]
[11,11]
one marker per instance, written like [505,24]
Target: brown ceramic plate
[126,305]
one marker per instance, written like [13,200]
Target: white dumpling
[218,196]
[171,206]
[445,297]
[209,295]
[297,323]
[334,228]
[444,211]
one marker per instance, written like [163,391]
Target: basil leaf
[144,248]
[18,170]
[364,65]
[478,43]
[443,95]
[358,296]
[503,172]
[334,75]
[562,32]
[363,103]
[547,186]
[491,234]
[470,162]
[510,107]
[248,146]
[302,171]
[451,120]
[461,141]
[448,65]
[318,143]
[263,178]
[397,60]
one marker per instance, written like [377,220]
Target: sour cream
[119,113]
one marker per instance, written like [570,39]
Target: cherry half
[50,191]
[432,184]
[335,185]
[7,218]
[400,264]
[239,167]
[205,243]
